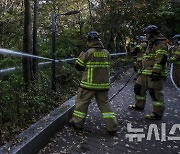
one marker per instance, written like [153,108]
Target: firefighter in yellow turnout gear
[95,64]
[138,52]
[154,72]
[175,59]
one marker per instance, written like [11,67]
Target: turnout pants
[155,88]
[83,100]
[137,66]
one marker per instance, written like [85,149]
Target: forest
[27,26]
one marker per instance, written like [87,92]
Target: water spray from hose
[21,54]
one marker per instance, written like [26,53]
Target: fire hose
[171,76]
[121,88]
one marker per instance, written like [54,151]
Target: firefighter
[154,72]
[175,59]
[95,64]
[137,53]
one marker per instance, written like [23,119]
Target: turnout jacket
[155,58]
[137,53]
[95,64]
[175,53]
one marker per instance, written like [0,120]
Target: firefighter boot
[135,107]
[72,124]
[153,116]
[112,133]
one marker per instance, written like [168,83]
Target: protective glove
[71,63]
[170,60]
[155,76]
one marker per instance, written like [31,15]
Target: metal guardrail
[12,69]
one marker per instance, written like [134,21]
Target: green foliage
[68,45]
[6,62]
[164,14]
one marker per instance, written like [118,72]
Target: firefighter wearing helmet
[95,64]
[154,72]
[175,59]
[138,52]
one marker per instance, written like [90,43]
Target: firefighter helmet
[142,38]
[176,38]
[93,36]
[151,29]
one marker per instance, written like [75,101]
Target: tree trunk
[35,41]
[90,14]
[26,43]
[80,21]
[102,18]
[112,41]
